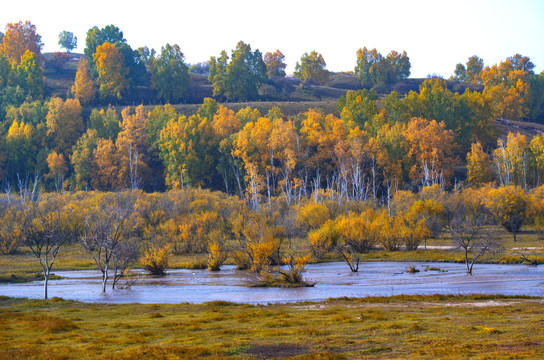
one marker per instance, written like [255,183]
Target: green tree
[170,74]
[186,149]
[366,59]
[241,78]
[112,34]
[106,123]
[471,73]
[312,67]
[67,40]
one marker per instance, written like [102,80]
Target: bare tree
[125,254]
[105,230]
[466,222]
[47,228]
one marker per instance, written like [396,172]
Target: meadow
[402,327]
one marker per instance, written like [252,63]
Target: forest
[388,168]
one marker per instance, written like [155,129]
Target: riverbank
[431,327]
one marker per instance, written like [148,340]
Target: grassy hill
[59,80]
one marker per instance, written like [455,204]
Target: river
[332,280]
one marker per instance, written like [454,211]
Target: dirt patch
[276,351]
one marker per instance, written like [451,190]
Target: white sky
[436,34]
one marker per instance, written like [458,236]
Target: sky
[436,34]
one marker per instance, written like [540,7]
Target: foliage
[18,39]
[67,40]
[312,67]
[29,75]
[275,64]
[169,73]
[64,124]
[373,69]
[155,259]
[112,73]
[479,169]
[509,206]
[241,78]
[83,88]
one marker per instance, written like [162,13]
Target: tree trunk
[469,266]
[45,280]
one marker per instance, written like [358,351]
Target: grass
[427,327]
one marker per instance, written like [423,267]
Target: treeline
[112,70]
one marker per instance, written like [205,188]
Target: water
[332,280]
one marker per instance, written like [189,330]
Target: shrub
[155,260]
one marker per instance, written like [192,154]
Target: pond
[332,280]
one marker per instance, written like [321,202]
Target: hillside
[60,78]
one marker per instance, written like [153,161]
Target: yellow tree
[112,72]
[511,160]
[83,88]
[57,168]
[64,124]
[19,38]
[478,166]
[431,151]
[104,166]
[30,75]
[509,206]
[537,151]
[132,146]
[275,63]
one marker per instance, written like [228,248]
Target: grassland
[432,327]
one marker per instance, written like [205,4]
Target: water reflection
[332,280]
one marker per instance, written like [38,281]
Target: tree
[83,88]
[112,73]
[523,63]
[106,228]
[49,225]
[478,166]
[30,76]
[511,160]
[466,222]
[105,168]
[186,149]
[11,227]
[106,123]
[509,206]
[57,169]
[400,65]
[275,64]
[64,124]
[169,73]
[67,40]
[430,147]
[475,65]
[241,78]
[312,68]
[112,34]
[81,159]
[19,38]
[374,69]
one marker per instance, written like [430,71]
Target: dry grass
[427,327]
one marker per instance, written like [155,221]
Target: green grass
[427,327]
